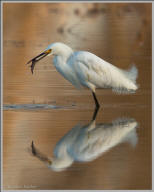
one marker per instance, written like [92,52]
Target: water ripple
[72,106]
[30,106]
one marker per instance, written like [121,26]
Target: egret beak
[37,58]
[40,155]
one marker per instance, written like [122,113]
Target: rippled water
[114,152]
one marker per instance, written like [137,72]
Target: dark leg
[96,102]
[95,113]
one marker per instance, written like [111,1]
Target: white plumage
[84,69]
[88,142]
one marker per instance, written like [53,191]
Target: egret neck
[63,65]
[59,164]
[62,53]
[61,56]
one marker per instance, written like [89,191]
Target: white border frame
[1,75]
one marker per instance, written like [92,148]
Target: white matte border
[105,1]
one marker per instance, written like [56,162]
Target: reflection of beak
[40,155]
[37,58]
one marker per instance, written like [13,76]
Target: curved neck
[62,163]
[64,52]
[61,58]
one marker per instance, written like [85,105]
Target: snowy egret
[84,69]
[86,143]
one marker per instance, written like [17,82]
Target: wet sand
[43,107]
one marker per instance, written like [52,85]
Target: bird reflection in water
[86,143]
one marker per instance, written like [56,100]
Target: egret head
[56,49]
[56,164]
[60,164]
[59,49]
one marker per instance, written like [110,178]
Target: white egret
[86,143]
[84,69]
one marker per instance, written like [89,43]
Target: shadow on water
[85,143]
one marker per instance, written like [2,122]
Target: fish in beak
[40,155]
[37,58]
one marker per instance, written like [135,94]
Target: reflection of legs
[95,113]
[92,123]
[96,101]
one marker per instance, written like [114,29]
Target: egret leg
[96,101]
[93,118]
[95,113]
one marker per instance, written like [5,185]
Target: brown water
[118,33]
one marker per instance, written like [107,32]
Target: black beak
[37,58]
[40,155]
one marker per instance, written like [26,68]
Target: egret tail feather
[130,83]
[132,73]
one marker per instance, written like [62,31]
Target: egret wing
[92,69]
[91,144]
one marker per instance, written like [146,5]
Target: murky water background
[43,107]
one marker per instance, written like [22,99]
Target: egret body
[84,69]
[88,142]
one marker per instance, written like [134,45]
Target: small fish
[36,59]
[39,155]
[33,65]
